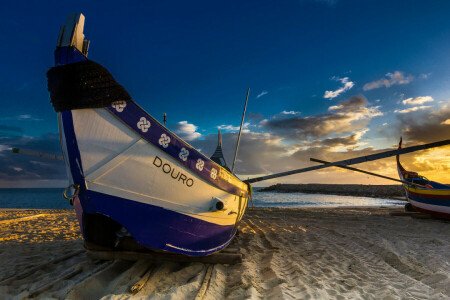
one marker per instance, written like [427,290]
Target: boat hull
[134,177]
[424,195]
[162,204]
[435,202]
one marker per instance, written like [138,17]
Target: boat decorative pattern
[153,132]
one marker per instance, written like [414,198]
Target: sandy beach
[304,253]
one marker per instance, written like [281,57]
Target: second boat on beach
[425,195]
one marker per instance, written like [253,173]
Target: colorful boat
[132,177]
[424,195]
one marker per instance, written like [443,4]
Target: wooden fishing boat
[425,195]
[132,178]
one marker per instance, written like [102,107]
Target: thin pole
[164,119]
[38,154]
[240,131]
[365,172]
[352,161]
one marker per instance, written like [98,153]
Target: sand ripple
[313,253]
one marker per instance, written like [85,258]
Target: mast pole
[240,131]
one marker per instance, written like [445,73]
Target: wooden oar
[353,161]
[38,154]
[367,172]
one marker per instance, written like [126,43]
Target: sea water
[52,198]
[274,199]
[33,198]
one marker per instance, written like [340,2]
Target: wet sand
[304,253]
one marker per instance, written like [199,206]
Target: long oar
[367,172]
[353,161]
[38,154]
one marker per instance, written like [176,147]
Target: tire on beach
[409,207]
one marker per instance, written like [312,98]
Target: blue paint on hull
[155,227]
[433,201]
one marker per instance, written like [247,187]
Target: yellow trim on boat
[428,191]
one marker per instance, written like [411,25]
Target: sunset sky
[329,79]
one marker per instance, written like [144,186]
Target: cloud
[261,94]
[290,112]
[335,107]
[26,117]
[347,85]
[234,128]
[186,131]
[411,109]
[278,148]
[254,116]
[425,126]
[418,100]
[348,116]
[424,76]
[228,127]
[392,78]
[267,153]
[342,143]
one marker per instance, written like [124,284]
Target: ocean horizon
[51,198]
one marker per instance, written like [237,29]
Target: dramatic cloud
[425,126]
[411,109]
[342,143]
[392,78]
[262,94]
[279,148]
[347,85]
[265,153]
[418,100]
[186,131]
[348,116]
[258,152]
[446,122]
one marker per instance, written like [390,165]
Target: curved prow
[400,168]
[71,34]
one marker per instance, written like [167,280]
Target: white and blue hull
[134,171]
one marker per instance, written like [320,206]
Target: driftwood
[205,283]
[140,284]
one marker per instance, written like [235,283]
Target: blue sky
[329,78]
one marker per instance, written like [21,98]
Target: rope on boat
[83,85]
